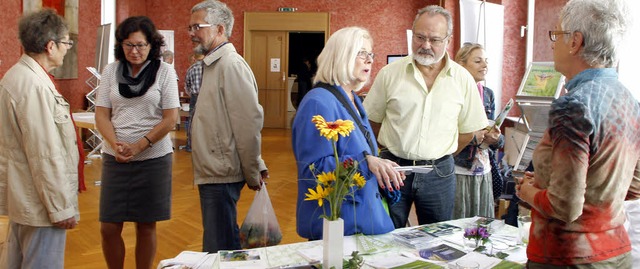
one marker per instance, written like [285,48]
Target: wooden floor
[184,230]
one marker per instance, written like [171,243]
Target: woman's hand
[385,172]
[492,137]
[125,151]
[525,187]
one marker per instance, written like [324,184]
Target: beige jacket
[38,151]
[225,134]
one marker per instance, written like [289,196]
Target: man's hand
[69,223]
[264,174]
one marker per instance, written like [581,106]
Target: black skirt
[138,191]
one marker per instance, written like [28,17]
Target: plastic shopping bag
[260,227]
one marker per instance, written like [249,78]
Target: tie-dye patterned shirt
[585,164]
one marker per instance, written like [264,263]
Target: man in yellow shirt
[424,108]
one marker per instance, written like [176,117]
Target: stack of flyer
[414,238]
[439,229]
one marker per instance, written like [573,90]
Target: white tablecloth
[387,249]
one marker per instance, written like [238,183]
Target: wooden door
[269,64]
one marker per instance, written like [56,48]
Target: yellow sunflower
[331,130]
[319,194]
[359,180]
[326,178]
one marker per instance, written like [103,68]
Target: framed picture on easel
[540,85]
[541,81]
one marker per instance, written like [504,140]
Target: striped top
[132,118]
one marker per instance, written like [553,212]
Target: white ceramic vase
[332,243]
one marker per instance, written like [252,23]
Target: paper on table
[191,259]
[415,169]
[485,262]
[314,254]
[397,261]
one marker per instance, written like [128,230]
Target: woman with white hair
[344,66]
[585,163]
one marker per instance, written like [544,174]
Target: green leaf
[501,255]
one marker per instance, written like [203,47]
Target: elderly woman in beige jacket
[38,149]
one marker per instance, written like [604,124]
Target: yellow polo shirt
[420,123]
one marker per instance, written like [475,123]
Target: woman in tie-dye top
[586,160]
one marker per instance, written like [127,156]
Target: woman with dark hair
[137,105]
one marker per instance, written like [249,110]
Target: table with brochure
[438,245]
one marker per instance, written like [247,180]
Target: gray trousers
[29,247]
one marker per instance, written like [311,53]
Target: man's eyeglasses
[553,35]
[434,41]
[364,54]
[68,43]
[198,26]
[139,47]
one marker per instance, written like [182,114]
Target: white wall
[109,16]
[484,24]
[630,57]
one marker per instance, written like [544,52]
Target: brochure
[250,258]
[415,238]
[503,115]
[442,252]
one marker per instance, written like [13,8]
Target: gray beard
[200,50]
[426,61]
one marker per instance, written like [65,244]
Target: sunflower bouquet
[333,186]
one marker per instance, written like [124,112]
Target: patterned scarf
[130,87]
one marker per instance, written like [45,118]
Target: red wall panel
[386,20]
[58,5]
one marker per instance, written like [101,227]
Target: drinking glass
[524,225]
[497,247]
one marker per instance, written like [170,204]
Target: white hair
[337,60]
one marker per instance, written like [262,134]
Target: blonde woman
[476,168]
[344,66]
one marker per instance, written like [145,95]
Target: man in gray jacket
[225,128]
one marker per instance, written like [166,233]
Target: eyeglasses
[364,55]
[553,35]
[139,47]
[198,26]
[434,41]
[68,43]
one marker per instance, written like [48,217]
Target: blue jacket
[363,213]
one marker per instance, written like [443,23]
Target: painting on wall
[69,10]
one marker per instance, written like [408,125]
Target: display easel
[95,139]
[539,87]
[101,58]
